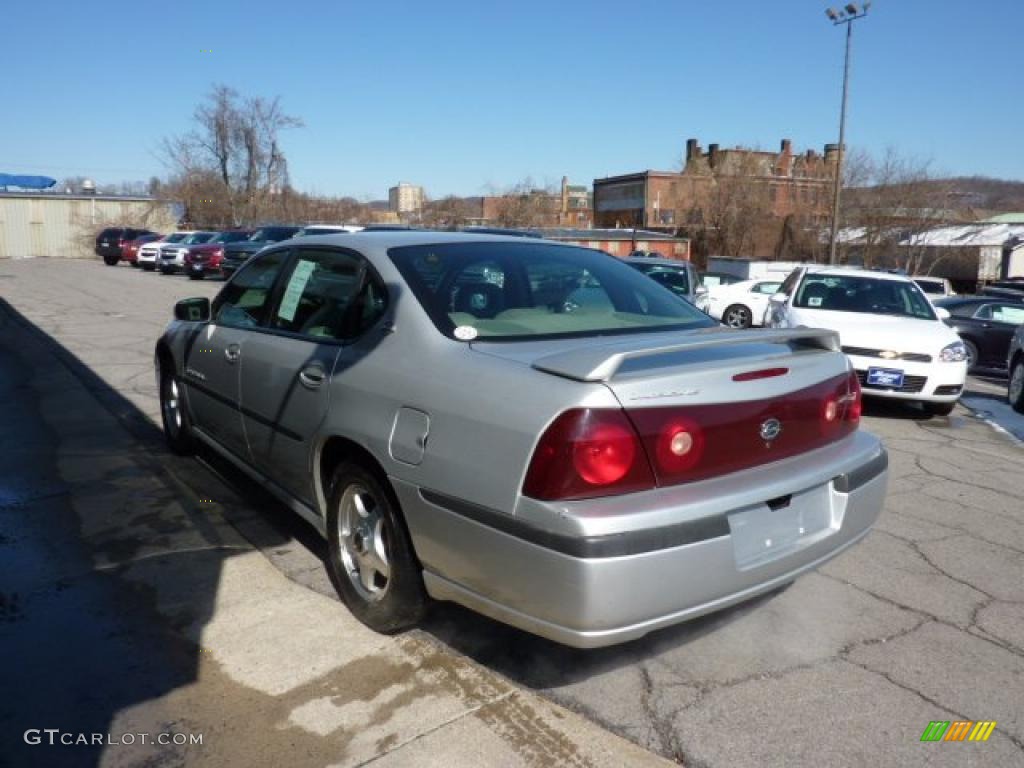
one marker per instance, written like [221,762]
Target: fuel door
[409,436]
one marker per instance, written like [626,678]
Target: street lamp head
[832,14]
[851,9]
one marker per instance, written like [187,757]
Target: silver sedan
[534,430]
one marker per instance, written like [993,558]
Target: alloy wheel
[363,536]
[172,405]
[737,317]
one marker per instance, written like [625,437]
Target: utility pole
[849,14]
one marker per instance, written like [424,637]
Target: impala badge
[770,429]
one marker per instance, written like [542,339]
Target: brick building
[569,207]
[772,185]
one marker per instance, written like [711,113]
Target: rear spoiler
[601,362]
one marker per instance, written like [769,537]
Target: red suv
[205,258]
[111,241]
[130,250]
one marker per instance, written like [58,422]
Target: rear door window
[325,296]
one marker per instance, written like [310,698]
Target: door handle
[232,352]
[312,377]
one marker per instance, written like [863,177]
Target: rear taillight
[842,406]
[588,452]
[600,452]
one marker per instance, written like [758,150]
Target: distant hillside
[983,193]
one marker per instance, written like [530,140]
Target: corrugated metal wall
[64,227]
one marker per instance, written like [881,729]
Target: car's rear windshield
[176,237]
[198,237]
[869,295]
[273,233]
[501,291]
[931,286]
[230,237]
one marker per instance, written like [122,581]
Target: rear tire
[938,409]
[174,414]
[371,560]
[111,261]
[1015,387]
[737,316]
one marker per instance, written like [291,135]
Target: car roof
[984,299]
[382,240]
[656,261]
[857,272]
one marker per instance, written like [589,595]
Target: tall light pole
[849,14]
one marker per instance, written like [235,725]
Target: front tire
[737,316]
[1015,388]
[972,354]
[111,261]
[177,425]
[371,559]
[938,409]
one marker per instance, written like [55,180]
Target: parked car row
[198,254]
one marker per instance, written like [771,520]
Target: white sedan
[892,334]
[739,305]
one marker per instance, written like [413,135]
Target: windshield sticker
[465,333]
[814,301]
[296,285]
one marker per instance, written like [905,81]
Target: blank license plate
[762,534]
[885,377]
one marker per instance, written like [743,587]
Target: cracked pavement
[923,620]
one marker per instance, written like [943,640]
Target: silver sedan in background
[534,430]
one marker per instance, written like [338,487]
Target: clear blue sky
[459,96]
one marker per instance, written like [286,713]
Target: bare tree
[889,198]
[231,167]
[527,205]
[450,212]
[731,206]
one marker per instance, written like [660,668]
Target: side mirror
[193,310]
[942,313]
[700,290]
[778,298]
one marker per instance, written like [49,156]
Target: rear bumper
[713,549]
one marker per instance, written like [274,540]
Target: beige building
[405,198]
[36,224]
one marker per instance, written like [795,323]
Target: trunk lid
[711,402]
[689,368]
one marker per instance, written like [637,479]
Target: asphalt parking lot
[923,621]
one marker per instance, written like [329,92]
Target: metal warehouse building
[64,226]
